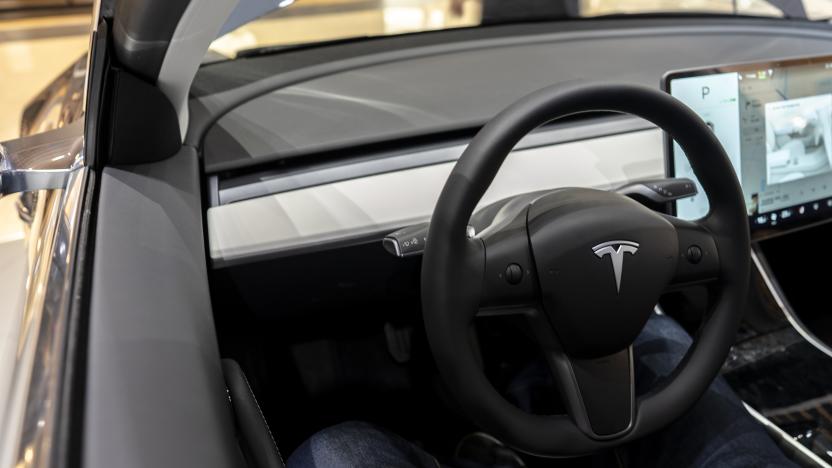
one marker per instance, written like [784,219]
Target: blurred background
[39,39]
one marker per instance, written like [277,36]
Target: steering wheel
[586,268]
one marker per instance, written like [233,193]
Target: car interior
[318,212]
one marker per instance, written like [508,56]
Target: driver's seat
[255,438]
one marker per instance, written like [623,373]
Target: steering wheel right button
[698,253]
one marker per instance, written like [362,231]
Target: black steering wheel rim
[452,267]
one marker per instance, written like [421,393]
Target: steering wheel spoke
[698,260]
[599,393]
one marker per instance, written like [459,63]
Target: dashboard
[774,120]
[339,145]
[356,202]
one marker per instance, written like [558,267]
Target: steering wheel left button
[514,273]
[508,280]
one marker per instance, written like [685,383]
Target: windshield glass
[297,22]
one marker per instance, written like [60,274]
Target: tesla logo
[616,250]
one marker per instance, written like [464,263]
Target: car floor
[347,373]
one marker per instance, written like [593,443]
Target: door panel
[155,390]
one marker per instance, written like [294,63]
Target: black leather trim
[256,438]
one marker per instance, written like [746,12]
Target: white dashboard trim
[365,207]
[272,182]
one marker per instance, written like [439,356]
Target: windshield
[298,22]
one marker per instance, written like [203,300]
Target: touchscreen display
[775,122]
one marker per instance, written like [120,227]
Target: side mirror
[42,161]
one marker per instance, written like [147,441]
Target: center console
[774,120]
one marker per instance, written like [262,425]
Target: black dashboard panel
[379,93]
